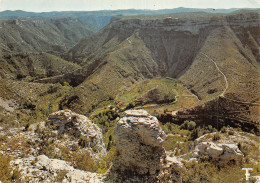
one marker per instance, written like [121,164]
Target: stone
[141,156]
[211,148]
[77,176]
[70,123]
[43,169]
[53,165]
[223,152]
[136,113]
[231,152]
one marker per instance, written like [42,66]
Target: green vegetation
[216,137]
[33,66]
[6,173]
[207,171]
[180,137]
[60,175]
[154,91]
[33,101]
[42,34]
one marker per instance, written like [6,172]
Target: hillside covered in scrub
[149,96]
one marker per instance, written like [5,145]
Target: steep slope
[213,55]
[33,65]
[103,78]
[224,56]
[41,34]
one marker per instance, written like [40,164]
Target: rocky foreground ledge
[43,169]
[140,155]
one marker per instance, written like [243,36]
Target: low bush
[60,175]
[223,130]
[230,132]
[84,161]
[205,171]
[216,137]
[188,125]
[84,141]
[6,173]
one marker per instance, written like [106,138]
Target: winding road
[226,81]
[225,78]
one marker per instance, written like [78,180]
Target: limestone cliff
[140,155]
[135,48]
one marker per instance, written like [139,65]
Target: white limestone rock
[141,156]
[223,152]
[136,113]
[80,176]
[68,122]
[43,169]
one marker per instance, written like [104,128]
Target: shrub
[216,137]
[130,106]
[6,173]
[191,125]
[194,134]
[230,132]
[188,125]
[84,161]
[84,141]
[74,147]
[3,138]
[15,175]
[60,175]
[206,171]
[210,128]
[106,162]
[5,169]
[223,130]
[171,128]
[243,149]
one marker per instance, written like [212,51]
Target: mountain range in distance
[98,19]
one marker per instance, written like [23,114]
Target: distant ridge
[99,19]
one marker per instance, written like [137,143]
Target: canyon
[124,97]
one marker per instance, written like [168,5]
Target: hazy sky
[77,5]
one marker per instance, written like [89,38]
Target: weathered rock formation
[225,153]
[66,121]
[140,155]
[42,169]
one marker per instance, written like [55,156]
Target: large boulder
[222,152]
[140,155]
[76,125]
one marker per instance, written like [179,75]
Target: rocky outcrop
[43,169]
[79,126]
[223,152]
[140,155]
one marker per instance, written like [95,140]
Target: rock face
[140,153]
[66,121]
[43,169]
[173,46]
[223,152]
